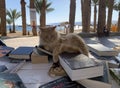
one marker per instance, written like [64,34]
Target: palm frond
[8,20]
[38,6]
[117,6]
[49,10]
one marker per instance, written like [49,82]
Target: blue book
[21,53]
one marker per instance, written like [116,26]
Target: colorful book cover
[4,50]
[10,80]
[62,82]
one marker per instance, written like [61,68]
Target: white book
[102,50]
[79,66]
[94,84]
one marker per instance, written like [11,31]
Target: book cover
[115,73]
[62,82]
[102,50]
[79,66]
[10,80]
[78,61]
[40,48]
[21,53]
[5,50]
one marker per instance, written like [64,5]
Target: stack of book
[86,71]
[79,66]
[21,53]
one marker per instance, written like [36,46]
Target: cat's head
[48,34]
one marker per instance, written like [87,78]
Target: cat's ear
[54,27]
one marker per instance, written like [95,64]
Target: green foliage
[8,20]
[38,6]
[95,2]
[117,6]
[13,14]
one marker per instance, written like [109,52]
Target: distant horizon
[57,23]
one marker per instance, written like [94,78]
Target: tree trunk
[118,27]
[82,9]
[0,21]
[101,18]
[13,27]
[72,15]
[33,22]
[87,14]
[43,14]
[95,13]
[3,18]
[110,10]
[23,10]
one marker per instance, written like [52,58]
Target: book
[3,68]
[102,50]
[21,53]
[115,73]
[62,82]
[40,48]
[79,66]
[5,50]
[94,84]
[10,80]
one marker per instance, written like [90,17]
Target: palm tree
[72,15]
[110,10]
[95,3]
[101,17]
[23,10]
[86,14]
[117,8]
[42,6]
[9,21]
[3,18]
[0,24]
[14,15]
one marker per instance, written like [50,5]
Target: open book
[79,66]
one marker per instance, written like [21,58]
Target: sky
[60,14]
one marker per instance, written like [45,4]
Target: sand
[17,39]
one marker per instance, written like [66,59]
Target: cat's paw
[56,71]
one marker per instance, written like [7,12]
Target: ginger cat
[51,40]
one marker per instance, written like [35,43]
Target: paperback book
[10,80]
[115,73]
[5,50]
[21,53]
[102,50]
[62,82]
[79,66]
